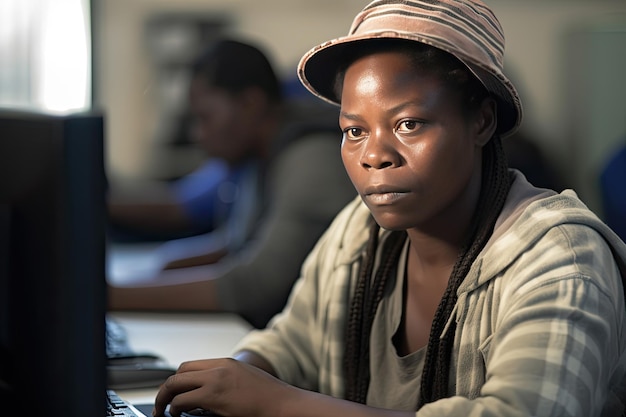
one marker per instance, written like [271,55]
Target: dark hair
[495,184]
[235,66]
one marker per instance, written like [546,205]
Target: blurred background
[129,59]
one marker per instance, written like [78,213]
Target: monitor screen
[52,257]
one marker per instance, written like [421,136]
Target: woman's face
[411,152]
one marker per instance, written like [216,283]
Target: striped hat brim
[466,29]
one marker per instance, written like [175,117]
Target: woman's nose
[379,151]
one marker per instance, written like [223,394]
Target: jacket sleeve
[287,343]
[301,342]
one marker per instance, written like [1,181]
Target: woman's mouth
[383,196]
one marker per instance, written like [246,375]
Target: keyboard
[116,406]
[127,368]
[147,410]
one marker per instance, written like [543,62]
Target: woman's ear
[486,121]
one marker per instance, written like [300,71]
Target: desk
[179,337]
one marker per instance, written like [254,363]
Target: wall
[538,56]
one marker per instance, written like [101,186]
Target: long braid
[353,349]
[496,182]
[367,296]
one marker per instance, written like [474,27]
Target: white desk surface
[179,337]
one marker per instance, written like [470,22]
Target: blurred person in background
[235,105]
[282,154]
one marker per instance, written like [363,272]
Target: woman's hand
[226,387]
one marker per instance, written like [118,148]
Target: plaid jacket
[541,320]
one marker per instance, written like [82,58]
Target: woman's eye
[353,133]
[408,126]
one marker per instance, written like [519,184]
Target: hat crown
[466,28]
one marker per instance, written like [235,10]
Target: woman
[451,286]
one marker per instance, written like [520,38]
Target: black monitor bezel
[52,220]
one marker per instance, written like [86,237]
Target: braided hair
[495,183]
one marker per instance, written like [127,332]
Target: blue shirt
[212,193]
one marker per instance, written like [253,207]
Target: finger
[194,399]
[189,377]
[200,365]
[188,401]
[174,385]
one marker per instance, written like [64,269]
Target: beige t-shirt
[395,380]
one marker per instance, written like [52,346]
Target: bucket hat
[466,29]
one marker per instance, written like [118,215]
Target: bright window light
[64,56]
[51,44]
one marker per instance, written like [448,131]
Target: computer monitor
[52,262]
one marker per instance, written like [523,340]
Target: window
[45,54]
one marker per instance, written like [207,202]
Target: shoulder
[554,237]
[306,119]
[310,174]
[530,213]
